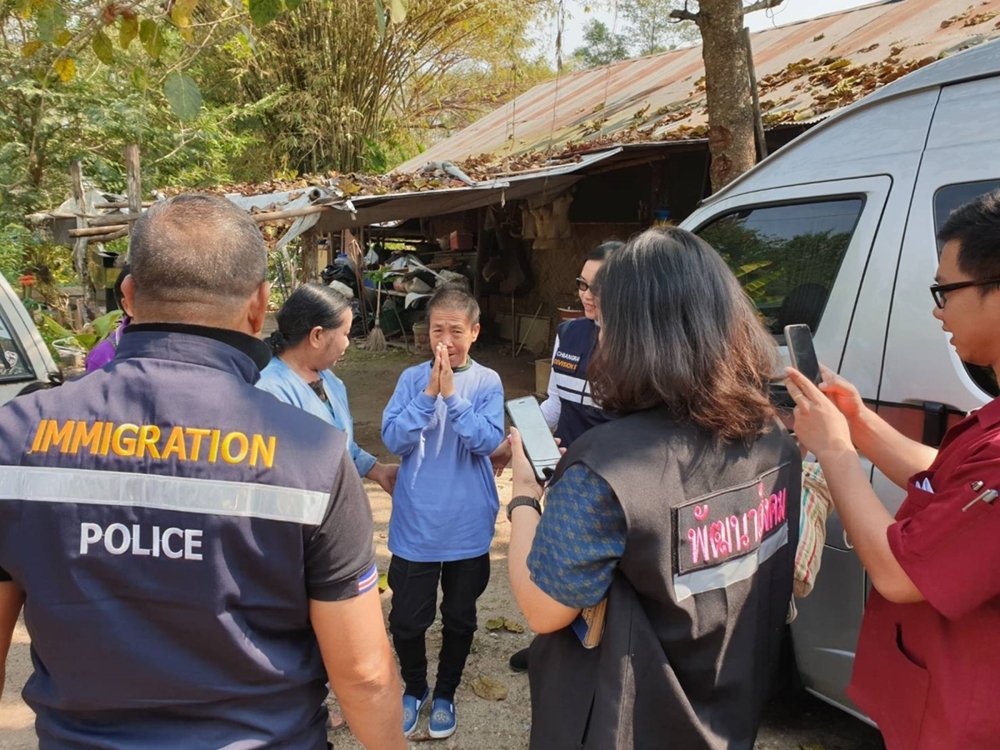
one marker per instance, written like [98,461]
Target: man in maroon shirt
[927,668]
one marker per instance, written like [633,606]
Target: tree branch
[683,14]
[762,5]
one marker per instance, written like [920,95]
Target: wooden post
[310,256]
[758,119]
[80,246]
[134,184]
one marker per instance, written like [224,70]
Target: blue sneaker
[442,719]
[411,711]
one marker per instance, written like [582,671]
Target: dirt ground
[797,722]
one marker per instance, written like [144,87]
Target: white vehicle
[24,358]
[837,230]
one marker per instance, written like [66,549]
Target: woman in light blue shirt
[313,333]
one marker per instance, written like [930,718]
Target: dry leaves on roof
[969,18]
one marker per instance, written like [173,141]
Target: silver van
[837,230]
[24,358]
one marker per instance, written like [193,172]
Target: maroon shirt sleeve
[953,556]
[340,552]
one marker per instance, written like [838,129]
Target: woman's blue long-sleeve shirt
[280,380]
[445,504]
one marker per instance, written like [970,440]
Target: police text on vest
[119,539]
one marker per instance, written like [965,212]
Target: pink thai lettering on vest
[740,541]
[699,544]
[764,513]
[751,515]
[778,506]
[719,535]
[740,529]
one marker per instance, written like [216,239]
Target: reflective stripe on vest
[214,497]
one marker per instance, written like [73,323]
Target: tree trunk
[727,87]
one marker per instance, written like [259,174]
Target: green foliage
[151,37]
[13,238]
[352,96]
[103,49]
[25,252]
[212,96]
[646,27]
[262,12]
[92,118]
[58,337]
[602,46]
[183,95]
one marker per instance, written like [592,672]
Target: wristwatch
[523,500]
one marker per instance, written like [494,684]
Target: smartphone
[539,445]
[801,351]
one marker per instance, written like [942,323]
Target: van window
[787,256]
[946,200]
[14,365]
[950,197]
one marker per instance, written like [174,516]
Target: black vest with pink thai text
[697,610]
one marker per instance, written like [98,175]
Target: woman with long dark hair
[680,517]
[313,333]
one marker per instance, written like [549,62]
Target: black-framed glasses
[938,291]
[583,285]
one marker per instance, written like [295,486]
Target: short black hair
[196,248]
[454,297]
[309,306]
[976,227]
[606,248]
[37,385]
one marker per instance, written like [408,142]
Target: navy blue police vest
[155,513]
[578,413]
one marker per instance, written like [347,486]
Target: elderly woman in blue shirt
[313,333]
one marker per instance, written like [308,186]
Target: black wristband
[523,500]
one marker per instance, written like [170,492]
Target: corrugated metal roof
[804,69]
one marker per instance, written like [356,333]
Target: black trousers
[414,598]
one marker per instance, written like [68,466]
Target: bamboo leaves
[396,13]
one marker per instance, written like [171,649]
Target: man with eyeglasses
[927,668]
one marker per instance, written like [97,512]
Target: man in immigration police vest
[569,410]
[192,564]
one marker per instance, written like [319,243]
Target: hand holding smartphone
[801,352]
[539,445]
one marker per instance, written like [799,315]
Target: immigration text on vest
[180,443]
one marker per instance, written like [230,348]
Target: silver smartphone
[539,445]
[801,351]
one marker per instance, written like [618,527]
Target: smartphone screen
[539,445]
[801,351]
